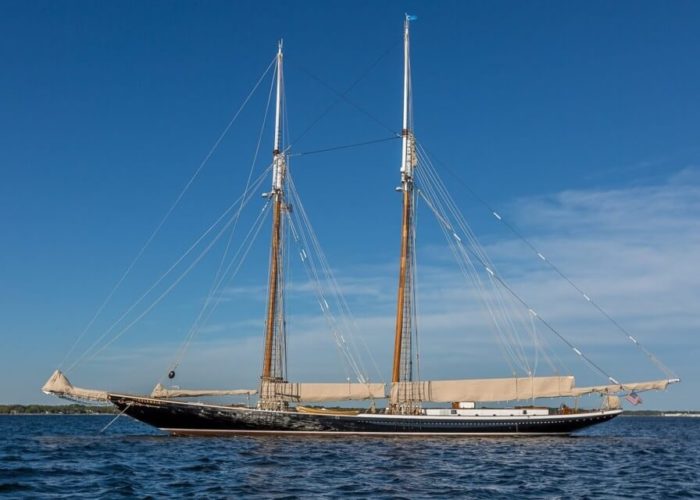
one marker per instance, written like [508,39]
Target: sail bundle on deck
[321,392]
[161,392]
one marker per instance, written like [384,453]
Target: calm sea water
[64,455]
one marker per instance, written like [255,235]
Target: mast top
[408,155]
[278,155]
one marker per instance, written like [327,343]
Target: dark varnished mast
[404,309]
[272,370]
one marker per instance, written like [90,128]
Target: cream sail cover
[488,389]
[161,392]
[312,392]
[59,385]
[653,385]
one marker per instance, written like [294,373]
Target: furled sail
[511,389]
[489,389]
[312,392]
[653,385]
[161,392]
[59,385]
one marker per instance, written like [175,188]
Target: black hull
[183,418]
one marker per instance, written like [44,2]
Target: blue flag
[411,18]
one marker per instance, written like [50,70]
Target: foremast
[405,305]
[273,359]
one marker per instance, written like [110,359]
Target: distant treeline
[73,409]
[656,413]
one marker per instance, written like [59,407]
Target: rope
[166,216]
[345,146]
[542,320]
[493,299]
[115,418]
[164,294]
[162,277]
[656,361]
[343,95]
[414,285]
[347,321]
[304,235]
[219,278]
[515,295]
[239,258]
[469,271]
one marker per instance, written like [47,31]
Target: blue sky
[577,121]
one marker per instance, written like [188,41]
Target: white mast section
[406,161]
[278,167]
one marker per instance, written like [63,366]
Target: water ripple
[58,456]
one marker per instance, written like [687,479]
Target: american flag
[634,398]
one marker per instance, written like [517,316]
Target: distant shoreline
[678,414]
[72,409]
[49,414]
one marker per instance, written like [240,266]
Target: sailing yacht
[462,404]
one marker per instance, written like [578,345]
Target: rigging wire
[345,146]
[237,260]
[414,285]
[433,191]
[340,96]
[452,237]
[346,317]
[164,275]
[207,157]
[655,360]
[250,175]
[489,269]
[509,336]
[468,270]
[218,278]
[343,95]
[167,214]
[164,294]
[319,271]
[285,275]
[542,320]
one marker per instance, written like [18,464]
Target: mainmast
[402,366]
[273,363]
